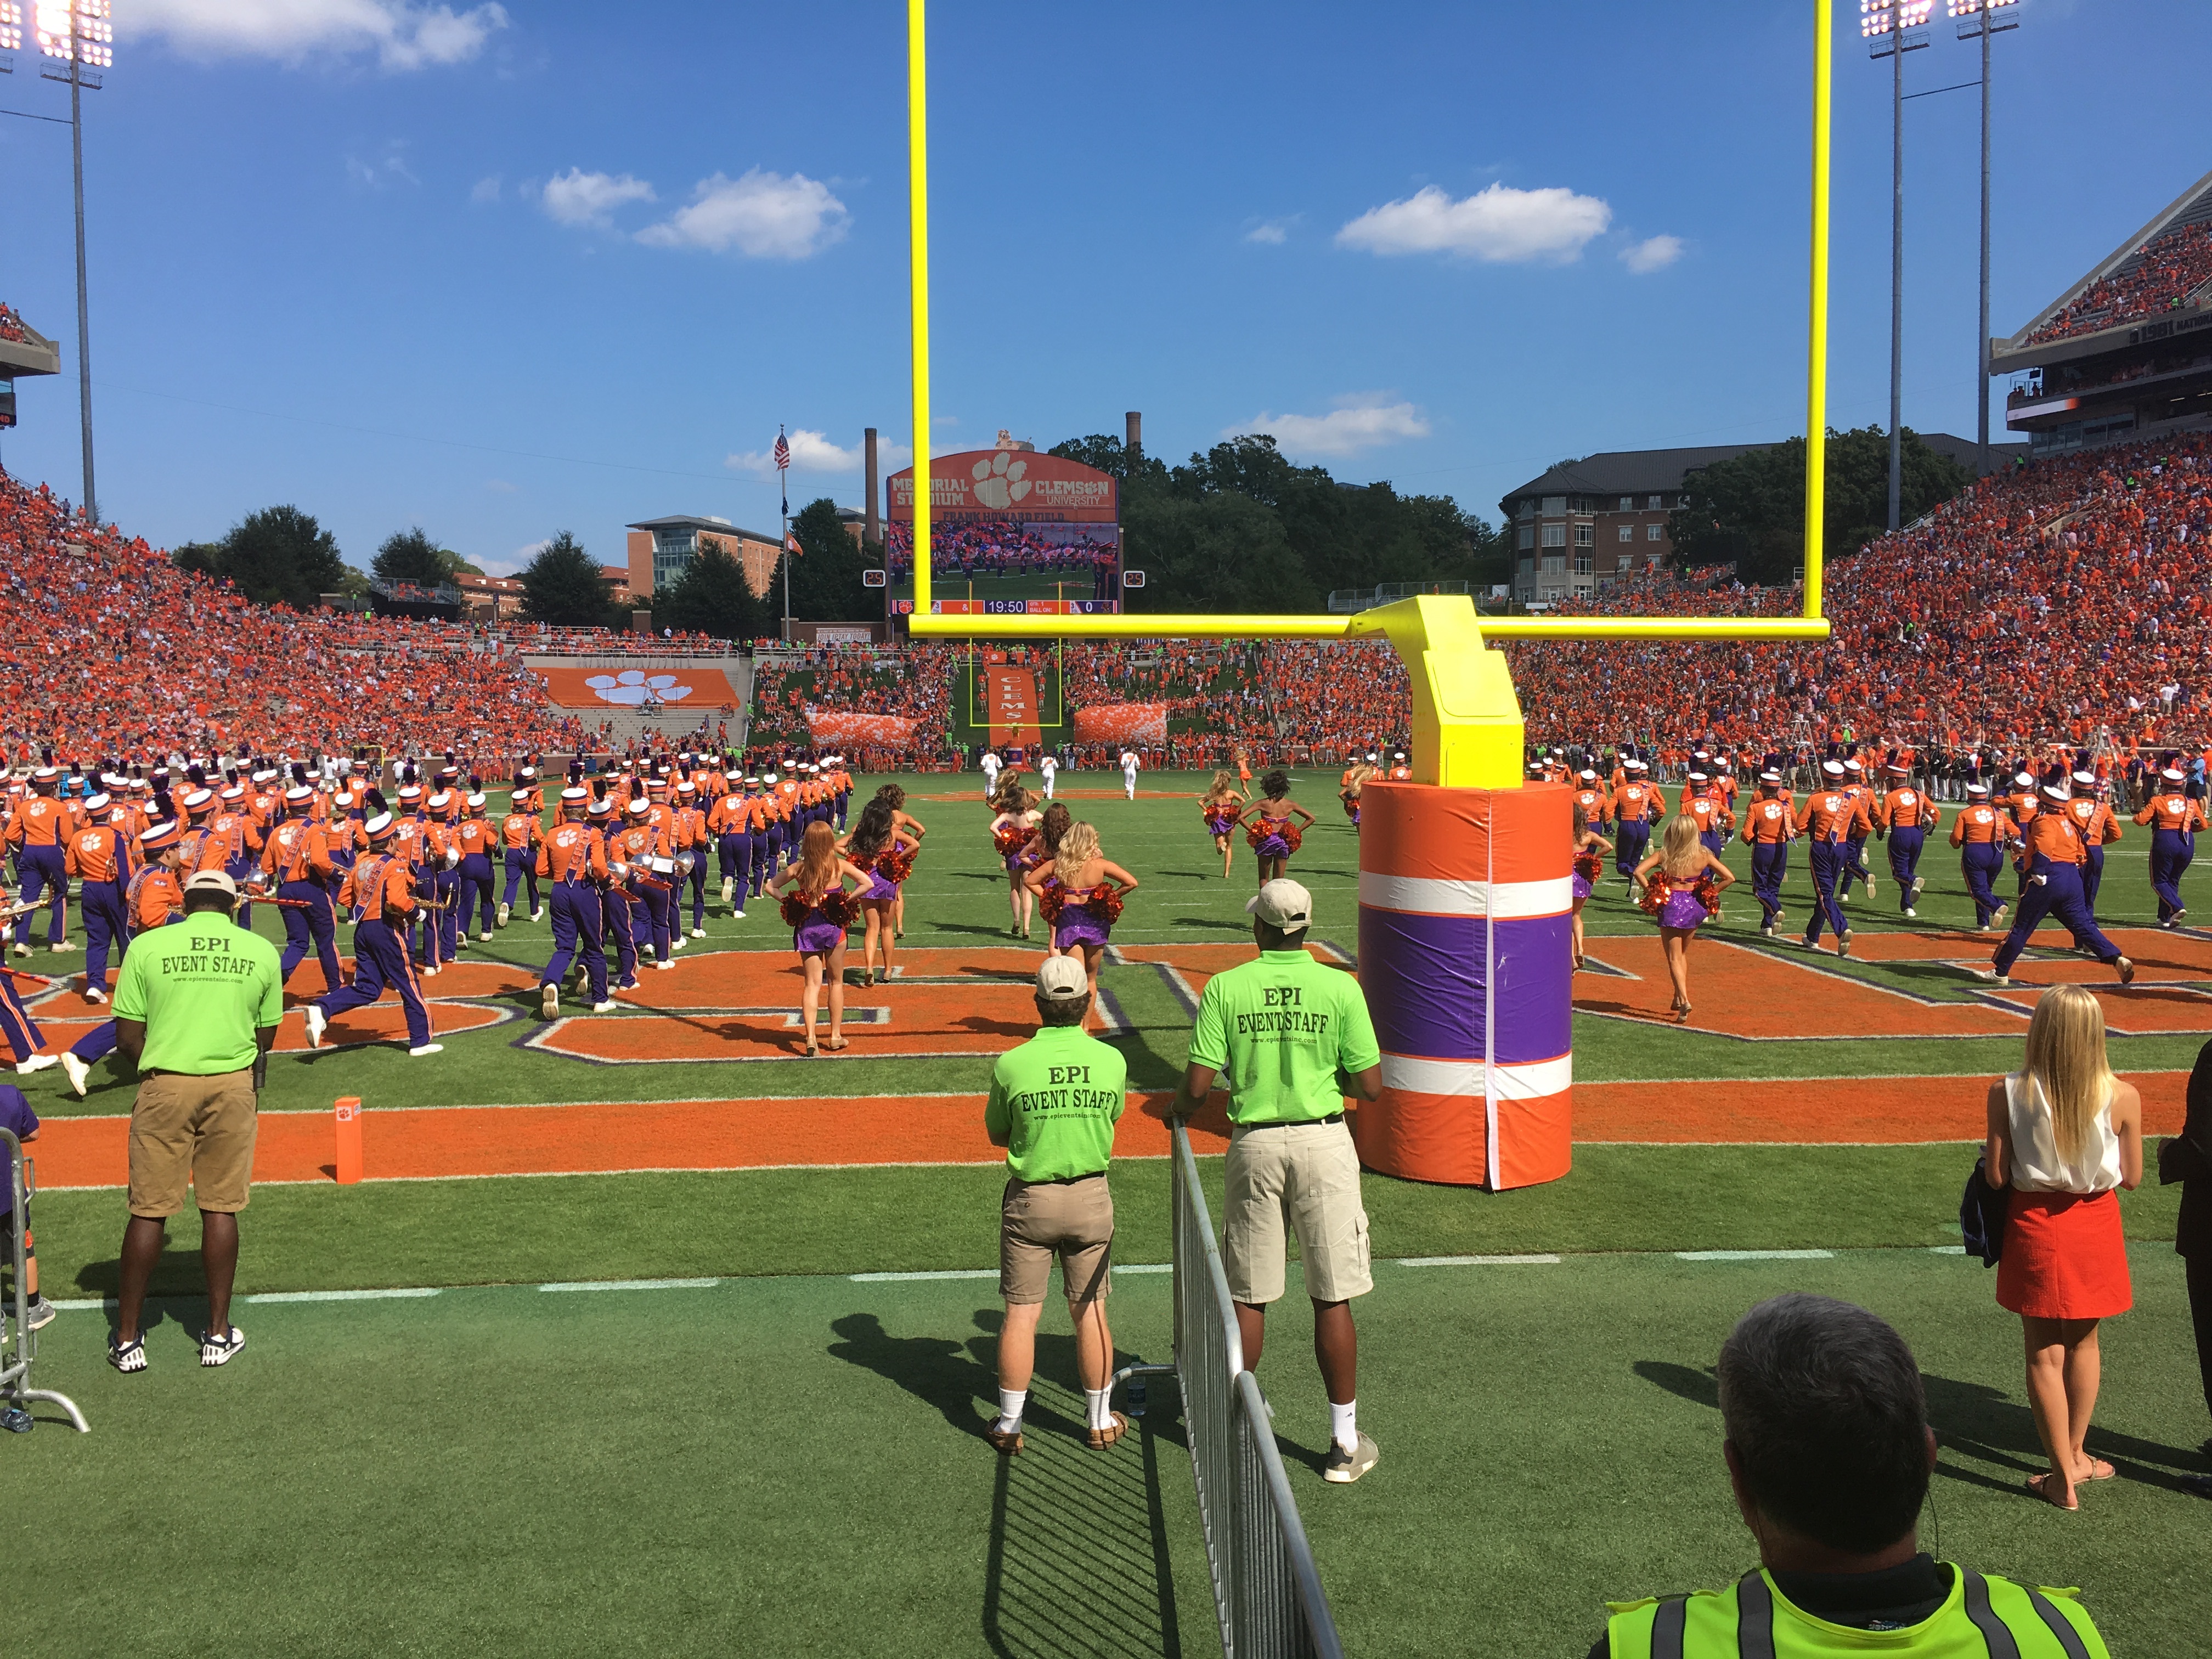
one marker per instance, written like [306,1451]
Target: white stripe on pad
[1507,901]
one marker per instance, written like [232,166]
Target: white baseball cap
[1282,903]
[1061,979]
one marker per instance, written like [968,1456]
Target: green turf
[792,1467]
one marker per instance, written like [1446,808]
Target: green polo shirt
[201,986]
[1279,1030]
[1054,1101]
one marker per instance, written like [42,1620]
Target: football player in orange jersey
[1902,814]
[2174,819]
[1769,824]
[2055,857]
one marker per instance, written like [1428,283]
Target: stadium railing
[19,1343]
[1267,1590]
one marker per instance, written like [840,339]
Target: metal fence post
[16,1356]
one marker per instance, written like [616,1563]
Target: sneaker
[729,886]
[676,942]
[737,916]
[1843,945]
[2127,970]
[127,1356]
[1099,1439]
[1345,1466]
[63,944]
[317,1022]
[37,1063]
[671,962]
[548,1002]
[1919,883]
[484,937]
[538,914]
[626,985]
[1842,897]
[1997,916]
[94,995]
[698,932]
[1911,912]
[220,1350]
[606,1007]
[1869,886]
[426,1048]
[22,949]
[39,1313]
[504,913]
[77,1072]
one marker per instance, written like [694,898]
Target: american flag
[782,454]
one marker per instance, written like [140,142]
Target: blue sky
[507,268]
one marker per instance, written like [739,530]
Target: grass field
[783,1459]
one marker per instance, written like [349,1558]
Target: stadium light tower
[1984,18]
[1892,28]
[78,33]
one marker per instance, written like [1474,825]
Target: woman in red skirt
[2064,1134]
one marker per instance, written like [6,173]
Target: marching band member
[475,879]
[383,886]
[1825,819]
[99,856]
[690,837]
[772,828]
[154,898]
[520,834]
[620,916]
[574,860]
[2023,805]
[2055,854]
[1702,802]
[442,847]
[635,846]
[38,836]
[1769,824]
[1905,815]
[2091,809]
[295,855]
[236,839]
[729,822]
[1593,806]
[1979,831]
[2174,819]
[1862,827]
[1636,804]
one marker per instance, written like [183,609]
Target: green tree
[1750,511]
[279,556]
[825,576]
[712,597]
[562,586]
[409,556]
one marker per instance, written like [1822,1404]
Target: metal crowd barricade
[1267,1591]
[19,1343]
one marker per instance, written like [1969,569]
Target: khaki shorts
[194,1132]
[1307,1174]
[1072,1220]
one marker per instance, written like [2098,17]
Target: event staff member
[1052,1105]
[1292,1038]
[1829,1453]
[519,834]
[381,888]
[574,859]
[1636,804]
[1903,815]
[297,855]
[99,857]
[2091,810]
[1826,820]
[37,835]
[2174,816]
[1769,823]
[1979,832]
[2055,856]
[197,1011]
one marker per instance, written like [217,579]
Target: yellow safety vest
[1984,1617]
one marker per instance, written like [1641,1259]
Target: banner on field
[1122,722]
[837,728]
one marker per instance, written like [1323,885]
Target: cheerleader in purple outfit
[1082,892]
[1011,832]
[1221,803]
[883,855]
[1682,885]
[1273,834]
[815,885]
[1590,848]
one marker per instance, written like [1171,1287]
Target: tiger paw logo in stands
[631,687]
[999,481]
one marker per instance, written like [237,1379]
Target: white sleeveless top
[2036,1165]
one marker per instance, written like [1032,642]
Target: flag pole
[783,493]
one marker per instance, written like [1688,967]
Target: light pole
[78,33]
[1892,28]
[1984,18]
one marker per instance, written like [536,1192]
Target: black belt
[1300,1123]
[1062,1181]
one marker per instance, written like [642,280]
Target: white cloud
[813,452]
[1272,233]
[493,565]
[1499,224]
[764,216]
[487,189]
[578,198]
[1653,253]
[384,171]
[1357,422]
[404,34]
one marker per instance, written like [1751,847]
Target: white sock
[1012,1402]
[1098,1407]
[1344,1423]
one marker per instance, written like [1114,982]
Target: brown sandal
[1008,1444]
[1099,1439]
[836,1045]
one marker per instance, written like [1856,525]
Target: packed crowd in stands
[915,684]
[114,653]
[2165,273]
[1001,549]
[540,639]
[11,324]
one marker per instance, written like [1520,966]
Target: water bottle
[1135,1392]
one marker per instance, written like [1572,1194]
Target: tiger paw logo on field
[631,687]
[1000,481]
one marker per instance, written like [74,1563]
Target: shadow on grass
[1211,925]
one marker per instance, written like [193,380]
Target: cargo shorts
[192,1132]
[1301,1178]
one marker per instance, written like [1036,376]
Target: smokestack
[1135,439]
[873,531]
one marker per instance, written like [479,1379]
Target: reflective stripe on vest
[1755,1620]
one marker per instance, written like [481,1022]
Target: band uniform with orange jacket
[1903,815]
[1980,832]
[1636,804]
[38,835]
[296,860]
[1826,818]
[2174,819]
[2055,853]
[381,888]
[520,834]
[572,860]
[99,857]
[1769,823]
[2092,816]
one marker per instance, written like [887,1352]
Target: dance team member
[819,905]
[1082,892]
[914,829]
[1269,829]
[1012,827]
[1682,884]
[1220,807]
[878,846]
[1590,848]
[1979,832]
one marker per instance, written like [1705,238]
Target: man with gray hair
[1829,1453]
